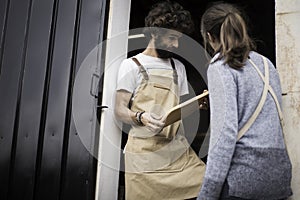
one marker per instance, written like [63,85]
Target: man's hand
[155,125]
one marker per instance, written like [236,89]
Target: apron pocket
[164,87]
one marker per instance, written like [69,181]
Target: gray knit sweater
[257,166]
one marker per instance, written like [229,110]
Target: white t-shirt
[129,77]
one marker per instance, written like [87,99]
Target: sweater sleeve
[223,129]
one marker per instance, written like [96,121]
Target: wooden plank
[79,176]
[49,178]
[11,67]
[31,99]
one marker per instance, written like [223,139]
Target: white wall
[288,64]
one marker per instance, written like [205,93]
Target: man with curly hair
[159,163]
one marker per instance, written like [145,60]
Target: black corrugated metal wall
[42,44]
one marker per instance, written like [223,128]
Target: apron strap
[272,94]
[141,68]
[265,79]
[144,72]
[175,75]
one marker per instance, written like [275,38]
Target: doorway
[261,22]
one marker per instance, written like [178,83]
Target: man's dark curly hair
[169,15]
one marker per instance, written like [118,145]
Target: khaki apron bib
[160,166]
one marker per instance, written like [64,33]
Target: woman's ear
[212,41]
[210,37]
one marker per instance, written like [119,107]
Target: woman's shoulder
[218,64]
[255,56]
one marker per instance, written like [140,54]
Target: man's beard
[161,50]
[164,53]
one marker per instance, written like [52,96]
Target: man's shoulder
[137,56]
[128,61]
[178,63]
[128,65]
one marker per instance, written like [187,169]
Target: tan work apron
[160,166]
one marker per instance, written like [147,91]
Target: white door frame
[110,134]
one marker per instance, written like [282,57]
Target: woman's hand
[203,103]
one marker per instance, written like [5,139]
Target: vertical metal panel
[64,183]
[4,5]
[49,179]
[11,76]
[43,45]
[79,163]
[31,99]
[4,143]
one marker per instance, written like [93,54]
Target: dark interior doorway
[261,19]
[261,23]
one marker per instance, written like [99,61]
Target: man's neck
[150,50]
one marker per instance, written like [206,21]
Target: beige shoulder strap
[272,94]
[267,88]
[141,68]
[175,75]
